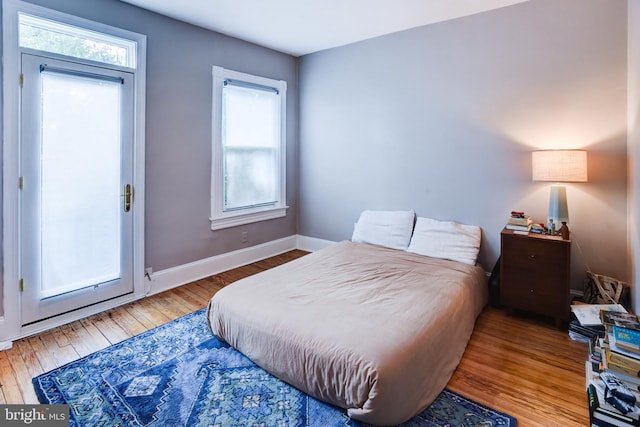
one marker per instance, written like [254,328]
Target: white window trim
[10,327]
[220,218]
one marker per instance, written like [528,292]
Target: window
[56,37]
[248,177]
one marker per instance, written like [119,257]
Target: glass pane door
[76,161]
[80,195]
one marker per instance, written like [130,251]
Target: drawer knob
[532,256]
[531,290]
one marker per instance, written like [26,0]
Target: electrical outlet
[245,237]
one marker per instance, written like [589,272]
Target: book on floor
[602,400]
[589,314]
[621,363]
[617,318]
[622,348]
[587,331]
[627,337]
[603,414]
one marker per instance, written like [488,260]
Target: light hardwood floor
[517,364]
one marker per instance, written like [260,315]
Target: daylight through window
[250,146]
[54,37]
[248,176]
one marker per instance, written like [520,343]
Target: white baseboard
[170,278]
[312,244]
[5,345]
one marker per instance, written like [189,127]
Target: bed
[375,330]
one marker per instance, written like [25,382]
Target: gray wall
[443,118]
[178,129]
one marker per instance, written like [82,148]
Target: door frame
[10,323]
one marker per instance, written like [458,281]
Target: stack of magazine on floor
[613,372]
[585,324]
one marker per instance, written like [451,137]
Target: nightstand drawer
[530,253]
[545,283]
[542,293]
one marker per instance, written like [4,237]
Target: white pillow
[446,240]
[391,229]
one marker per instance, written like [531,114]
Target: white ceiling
[299,27]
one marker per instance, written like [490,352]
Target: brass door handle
[127,197]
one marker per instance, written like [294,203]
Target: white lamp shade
[559,165]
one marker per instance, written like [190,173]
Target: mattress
[376,331]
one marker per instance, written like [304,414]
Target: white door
[76,201]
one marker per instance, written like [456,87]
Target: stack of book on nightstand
[612,372]
[519,222]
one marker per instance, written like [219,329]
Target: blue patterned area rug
[179,374]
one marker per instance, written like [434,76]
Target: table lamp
[559,166]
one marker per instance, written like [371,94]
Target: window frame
[221,218]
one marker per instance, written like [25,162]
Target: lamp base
[558,210]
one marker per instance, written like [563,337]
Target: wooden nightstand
[535,274]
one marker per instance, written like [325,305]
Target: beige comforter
[376,331]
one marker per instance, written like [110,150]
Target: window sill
[234,219]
